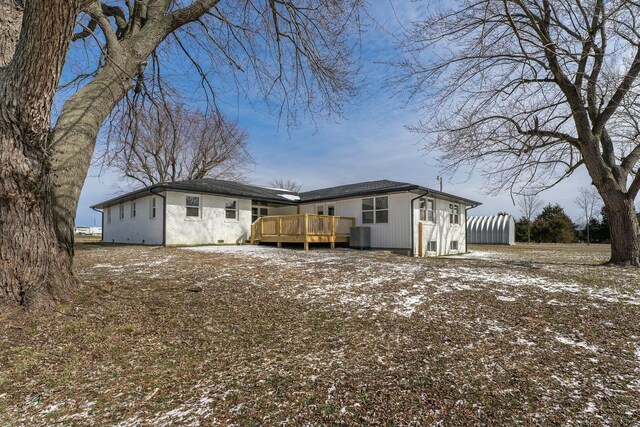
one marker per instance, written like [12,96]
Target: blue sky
[369,142]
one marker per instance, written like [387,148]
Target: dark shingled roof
[354,190]
[211,186]
[218,186]
[371,188]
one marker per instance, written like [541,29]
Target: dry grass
[261,336]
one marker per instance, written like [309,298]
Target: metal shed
[491,230]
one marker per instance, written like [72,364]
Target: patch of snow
[51,408]
[506,299]
[581,344]
[291,197]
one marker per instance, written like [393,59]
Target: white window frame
[454,214]
[433,243]
[121,212]
[451,248]
[319,209]
[108,215]
[153,208]
[133,210]
[426,214]
[331,207]
[375,210]
[192,206]
[234,209]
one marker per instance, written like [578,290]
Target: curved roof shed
[491,230]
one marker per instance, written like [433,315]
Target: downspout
[466,218]
[164,216]
[101,223]
[412,220]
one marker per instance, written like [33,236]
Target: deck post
[333,232]
[306,232]
[279,231]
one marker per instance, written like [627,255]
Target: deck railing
[307,228]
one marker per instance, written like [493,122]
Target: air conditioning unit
[360,237]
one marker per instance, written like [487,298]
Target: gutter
[101,222]
[412,222]
[164,216]
[466,218]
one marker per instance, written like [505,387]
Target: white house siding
[395,234]
[139,230]
[211,227]
[440,231]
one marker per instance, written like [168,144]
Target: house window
[257,212]
[133,209]
[382,209]
[320,209]
[375,209]
[432,246]
[367,211]
[152,208]
[331,210]
[108,215]
[121,212]
[193,206]
[454,213]
[427,211]
[454,245]
[231,209]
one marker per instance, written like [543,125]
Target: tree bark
[625,234]
[34,269]
[74,140]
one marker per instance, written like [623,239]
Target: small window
[427,212]
[231,209]
[375,210]
[193,206]
[331,210]
[152,208]
[367,211]
[121,212]
[320,209]
[382,209]
[432,246]
[454,213]
[108,215]
[454,245]
[133,209]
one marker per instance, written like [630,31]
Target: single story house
[399,215]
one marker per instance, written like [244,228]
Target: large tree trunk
[74,140]
[625,234]
[34,268]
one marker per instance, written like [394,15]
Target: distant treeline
[553,225]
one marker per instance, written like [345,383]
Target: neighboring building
[82,230]
[491,230]
[209,211]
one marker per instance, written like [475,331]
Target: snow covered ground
[256,335]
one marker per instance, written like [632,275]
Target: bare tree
[286,184]
[296,56]
[588,200]
[530,205]
[160,145]
[529,91]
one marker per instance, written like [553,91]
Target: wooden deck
[302,229]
